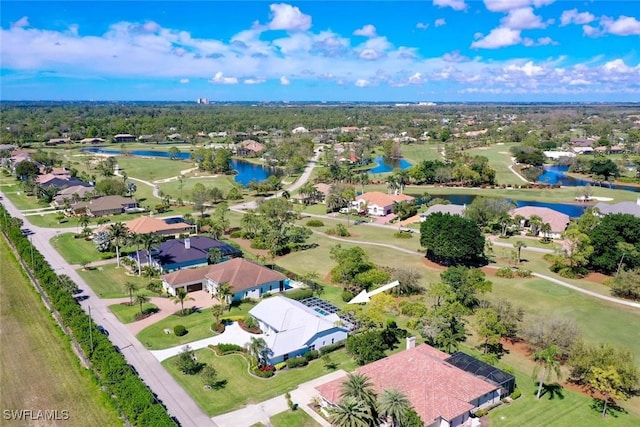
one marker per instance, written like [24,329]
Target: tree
[209,376]
[174,152]
[257,349]
[149,241]
[351,262]
[111,187]
[130,287]
[394,404]
[119,235]
[102,240]
[545,228]
[541,332]
[27,170]
[626,249]
[606,235]
[484,210]
[200,196]
[360,387]
[350,412]
[214,255]
[626,284]
[186,361]
[608,383]
[466,284]
[580,248]
[181,296]
[225,294]
[141,299]
[83,220]
[366,347]
[519,244]
[489,327]
[217,311]
[547,364]
[451,239]
[131,188]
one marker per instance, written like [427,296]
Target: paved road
[176,399]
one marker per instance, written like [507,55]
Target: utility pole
[90,330]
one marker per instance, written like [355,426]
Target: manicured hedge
[131,395]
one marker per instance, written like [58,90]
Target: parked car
[103,330]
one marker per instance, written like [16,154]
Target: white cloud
[591,31]
[507,5]
[440,22]
[21,23]
[454,57]
[289,18]
[574,17]
[284,81]
[453,4]
[366,31]
[362,83]
[623,26]
[522,19]
[422,26]
[527,69]
[416,79]
[370,54]
[184,81]
[221,79]
[617,66]
[497,38]
[254,81]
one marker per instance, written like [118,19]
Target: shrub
[505,272]
[342,231]
[280,366]
[296,362]
[259,244]
[516,393]
[332,347]
[312,355]
[402,234]
[266,371]
[315,223]
[235,234]
[300,294]
[229,348]
[480,413]
[347,296]
[180,330]
[219,328]
[524,273]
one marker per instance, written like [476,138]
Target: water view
[388,165]
[573,210]
[558,175]
[246,172]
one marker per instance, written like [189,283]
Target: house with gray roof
[106,205]
[445,209]
[630,208]
[292,329]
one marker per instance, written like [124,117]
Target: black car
[103,330]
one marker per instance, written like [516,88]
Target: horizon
[442,51]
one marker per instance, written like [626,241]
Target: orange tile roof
[149,224]
[382,199]
[435,388]
[241,274]
[557,220]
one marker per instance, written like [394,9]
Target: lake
[574,211]
[558,175]
[246,172]
[388,165]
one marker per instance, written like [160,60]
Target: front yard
[243,388]
[108,281]
[127,313]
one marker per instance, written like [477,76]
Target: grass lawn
[416,153]
[242,388]
[21,200]
[499,159]
[75,251]
[38,369]
[108,281]
[223,182]
[152,169]
[530,242]
[297,418]
[198,324]
[127,313]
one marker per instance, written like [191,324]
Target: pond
[246,172]
[573,210]
[388,165]
[558,175]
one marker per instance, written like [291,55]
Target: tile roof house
[246,279]
[106,205]
[92,140]
[250,147]
[445,209]
[557,220]
[70,193]
[124,137]
[149,224]
[442,394]
[61,181]
[292,329]
[378,203]
[630,208]
[176,254]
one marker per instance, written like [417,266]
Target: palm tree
[394,404]
[225,294]
[214,255]
[119,235]
[351,413]
[547,365]
[286,195]
[392,184]
[131,288]
[181,296]
[217,311]
[257,349]
[545,228]
[519,244]
[360,387]
[141,299]
[363,179]
[149,241]
[535,222]
[136,239]
[83,221]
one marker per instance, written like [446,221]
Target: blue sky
[429,50]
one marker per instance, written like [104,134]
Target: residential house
[583,150]
[73,194]
[174,137]
[557,220]
[445,209]
[300,129]
[176,254]
[292,329]
[245,278]
[169,227]
[124,137]
[630,208]
[378,203]
[92,141]
[581,142]
[250,147]
[60,181]
[440,393]
[106,205]
[56,141]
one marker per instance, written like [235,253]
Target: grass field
[152,169]
[108,281]
[20,199]
[242,388]
[415,153]
[297,418]
[499,159]
[38,369]
[223,182]
[75,251]
[127,313]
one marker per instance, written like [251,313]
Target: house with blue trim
[177,254]
[292,329]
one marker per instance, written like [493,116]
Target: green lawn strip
[19,198]
[75,251]
[39,370]
[108,281]
[297,418]
[499,159]
[152,169]
[223,182]
[415,153]
[198,325]
[243,388]
[530,242]
[127,313]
